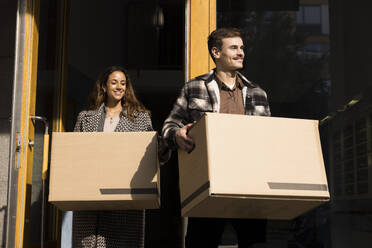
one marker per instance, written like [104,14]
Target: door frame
[22,128]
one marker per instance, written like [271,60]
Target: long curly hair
[131,105]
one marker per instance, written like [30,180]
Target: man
[222,90]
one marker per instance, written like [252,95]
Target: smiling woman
[114,89]
[114,108]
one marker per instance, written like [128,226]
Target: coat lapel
[213,90]
[95,120]
[120,126]
[247,94]
[214,94]
[124,124]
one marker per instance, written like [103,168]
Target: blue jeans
[66,229]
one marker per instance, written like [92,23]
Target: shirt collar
[222,85]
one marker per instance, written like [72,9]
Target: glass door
[31,221]
[44,220]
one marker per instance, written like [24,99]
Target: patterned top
[202,95]
[109,229]
[93,121]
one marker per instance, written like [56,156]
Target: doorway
[146,38]
[77,41]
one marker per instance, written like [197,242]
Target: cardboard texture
[252,167]
[104,171]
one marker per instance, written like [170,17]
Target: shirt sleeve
[147,122]
[78,124]
[178,118]
[267,106]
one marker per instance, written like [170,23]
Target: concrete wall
[7,38]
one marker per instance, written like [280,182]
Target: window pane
[290,59]
[312,14]
[300,16]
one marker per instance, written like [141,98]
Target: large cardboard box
[104,171]
[252,167]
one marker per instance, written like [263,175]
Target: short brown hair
[215,38]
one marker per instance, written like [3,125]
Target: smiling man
[222,90]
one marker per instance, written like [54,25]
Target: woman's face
[115,86]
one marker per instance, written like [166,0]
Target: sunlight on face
[231,55]
[115,86]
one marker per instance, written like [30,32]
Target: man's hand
[184,141]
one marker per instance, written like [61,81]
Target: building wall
[351,75]
[7,38]
[351,50]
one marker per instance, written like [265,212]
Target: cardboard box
[252,167]
[104,171]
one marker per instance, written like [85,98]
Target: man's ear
[215,52]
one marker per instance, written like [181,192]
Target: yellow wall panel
[202,21]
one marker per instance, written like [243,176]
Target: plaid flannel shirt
[202,95]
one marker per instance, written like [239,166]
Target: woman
[113,108]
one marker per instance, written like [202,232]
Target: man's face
[231,55]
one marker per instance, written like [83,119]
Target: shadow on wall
[35,220]
[3,209]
